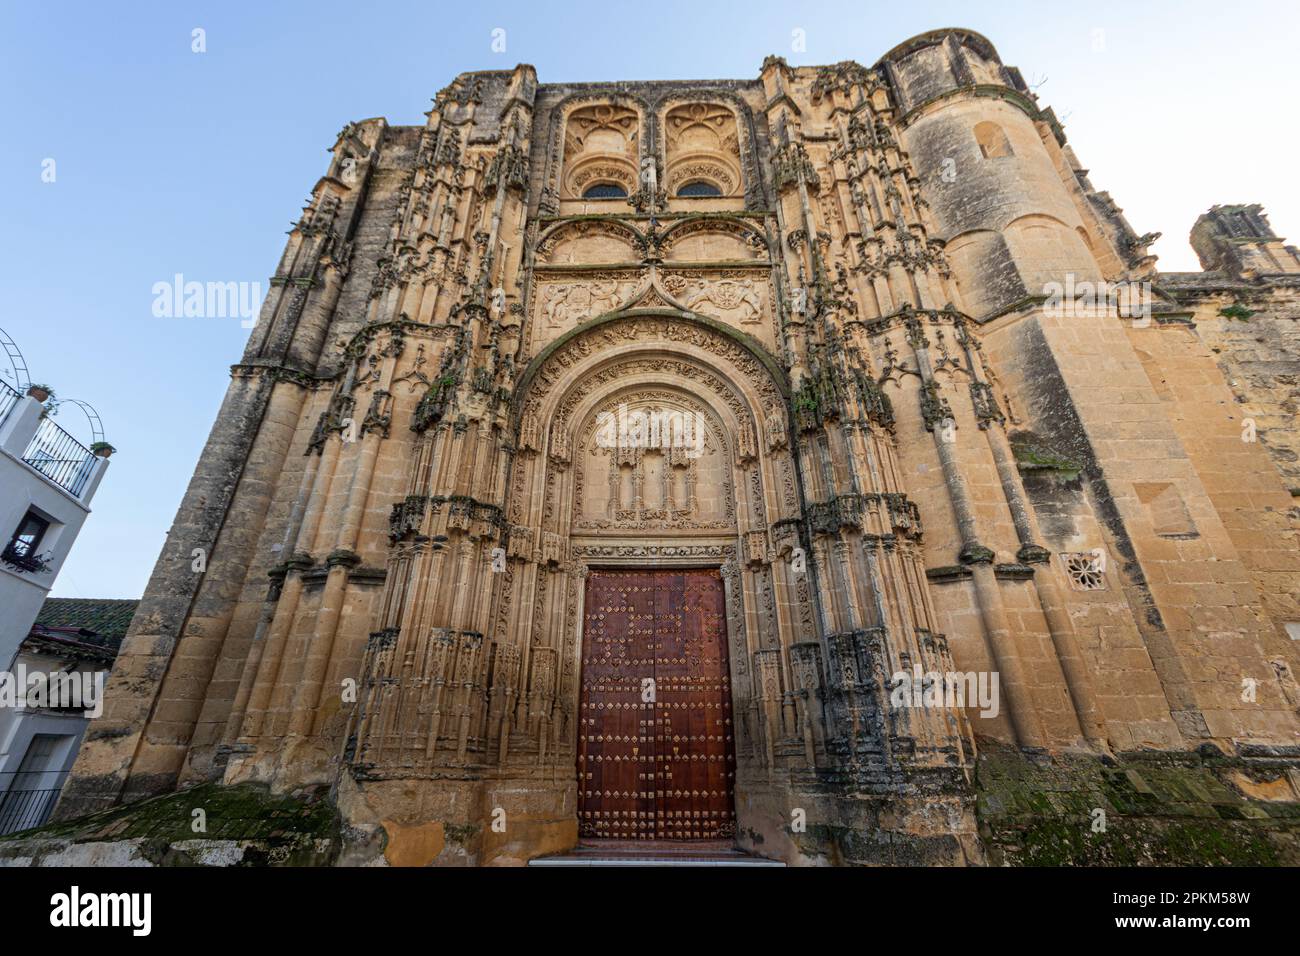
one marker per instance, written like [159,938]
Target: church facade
[725,462]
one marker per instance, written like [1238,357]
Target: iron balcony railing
[9,397]
[60,457]
[29,800]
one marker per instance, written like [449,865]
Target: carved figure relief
[563,305]
[652,460]
[735,300]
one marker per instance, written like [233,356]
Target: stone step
[665,853]
[666,860]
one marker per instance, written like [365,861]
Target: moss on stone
[278,825]
[1148,809]
[1236,311]
[1034,454]
[463,834]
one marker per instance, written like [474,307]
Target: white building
[47,479]
[75,639]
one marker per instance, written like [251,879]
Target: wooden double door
[656,759]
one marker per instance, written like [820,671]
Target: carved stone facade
[901,458]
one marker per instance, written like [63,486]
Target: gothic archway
[736,509]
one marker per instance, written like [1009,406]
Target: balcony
[60,457]
[9,397]
[54,453]
[28,799]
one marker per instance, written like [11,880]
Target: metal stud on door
[655,751]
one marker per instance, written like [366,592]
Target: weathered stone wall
[1255,348]
[1142,809]
[207,825]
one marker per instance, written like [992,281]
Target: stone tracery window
[1084,569]
[697,188]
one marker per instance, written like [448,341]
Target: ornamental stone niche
[643,460]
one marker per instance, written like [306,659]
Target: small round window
[605,191]
[699,188]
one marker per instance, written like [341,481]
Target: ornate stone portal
[790,333]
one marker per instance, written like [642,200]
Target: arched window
[699,188]
[992,141]
[604,191]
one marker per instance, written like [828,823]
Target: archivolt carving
[590,241]
[738,365]
[600,169]
[698,109]
[755,194]
[555,144]
[698,168]
[563,498]
[601,145]
[662,368]
[744,238]
[637,329]
[702,145]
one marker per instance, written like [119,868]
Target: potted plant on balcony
[16,560]
[102,449]
[42,393]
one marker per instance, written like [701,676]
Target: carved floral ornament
[749,235]
[595,116]
[624,242]
[600,147]
[598,170]
[587,123]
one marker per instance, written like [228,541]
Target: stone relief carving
[607,127]
[600,145]
[702,144]
[714,239]
[562,305]
[650,479]
[738,300]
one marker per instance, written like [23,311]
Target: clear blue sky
[169,161]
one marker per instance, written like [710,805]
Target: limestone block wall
[1018,214]
[1238,470]
[1255,348]
[1190,594]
